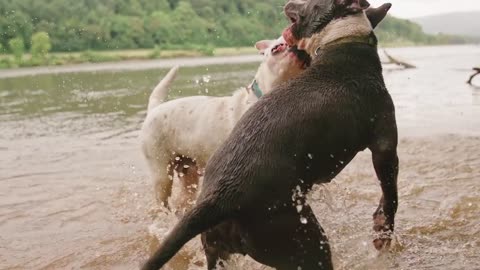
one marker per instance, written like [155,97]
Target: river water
[75,193]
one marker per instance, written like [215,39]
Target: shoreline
[130,65]
[161,63]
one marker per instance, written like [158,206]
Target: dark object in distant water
[477,71]
[397,62]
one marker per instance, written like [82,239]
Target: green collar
[370,40]
[255,88]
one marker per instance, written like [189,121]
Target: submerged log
[395,61]
[477,71]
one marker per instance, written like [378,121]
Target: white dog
[181,135]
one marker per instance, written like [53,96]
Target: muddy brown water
[75,193]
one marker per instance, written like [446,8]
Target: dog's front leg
[386,167]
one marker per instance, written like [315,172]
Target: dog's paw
[383,241]
[383,232]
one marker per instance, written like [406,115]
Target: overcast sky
[419,8]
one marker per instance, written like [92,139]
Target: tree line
[79,25]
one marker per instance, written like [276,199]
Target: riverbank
[189,59]
[8,61]
[131,65]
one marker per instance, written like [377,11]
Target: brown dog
[303,133]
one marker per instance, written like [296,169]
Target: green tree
[160,28]
[15,23]
[41,45]
[17,47]
[79,25]
[194,30]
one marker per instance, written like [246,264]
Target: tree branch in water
[395,61]
[477,71]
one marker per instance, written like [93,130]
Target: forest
[80,25]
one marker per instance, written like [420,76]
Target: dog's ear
[353,6]
[376,15]
[262,45]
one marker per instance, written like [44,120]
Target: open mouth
[279,48]
[287,33]
[302,56]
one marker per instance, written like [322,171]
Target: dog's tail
[159,94]
[202,217]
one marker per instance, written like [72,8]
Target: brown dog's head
[309,17]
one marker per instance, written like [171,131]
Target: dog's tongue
[288,36]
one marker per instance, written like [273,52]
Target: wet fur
[303,133]
[185,132]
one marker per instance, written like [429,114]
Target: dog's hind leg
[213,251]
[289,239]
[188,176]
[220,242]
[162,174]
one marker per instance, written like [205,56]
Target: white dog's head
[280,63]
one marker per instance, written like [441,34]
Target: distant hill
[458,23]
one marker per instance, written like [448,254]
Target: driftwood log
[395,61]
[477,71]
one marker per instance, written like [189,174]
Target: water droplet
[299,208]
[332,156]
[303,220]
[177,158]
[186,166]
[310,156]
